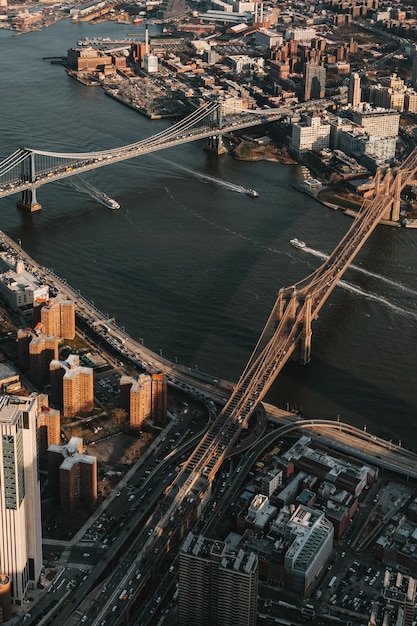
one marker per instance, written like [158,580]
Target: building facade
[314,81]
[72,475]
[72,386]
[159,399]
[310,549]
[140,402]
[58,318]
[42,350]
[144,398]
[49,427]
[354,90]
[378,122]
[311,133]
[216,587]
[20,501]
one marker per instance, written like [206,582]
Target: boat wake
[404,312]
[372,296]
[382,279]
[206,177]
[83,186]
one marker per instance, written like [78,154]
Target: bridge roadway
[54,166]
[224,431]
[347,439]
[288,329]
[163,522]
[28,169]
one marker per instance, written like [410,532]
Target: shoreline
[351,207]
[349,211]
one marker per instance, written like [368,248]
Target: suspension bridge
[287,334]
[288,330]
[26,169]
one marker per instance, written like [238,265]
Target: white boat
[297,243]
[112,204]
[252,193]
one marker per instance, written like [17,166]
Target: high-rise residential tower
[72,474]
[72,385]
[58,318]
[144,398]
[159,399]
[314,80]
[140,401]
[216,587]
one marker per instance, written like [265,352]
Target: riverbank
[335,199]
[252,151]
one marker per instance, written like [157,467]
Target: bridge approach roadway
[163,522]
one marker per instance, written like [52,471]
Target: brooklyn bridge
[288,330]
[287,335]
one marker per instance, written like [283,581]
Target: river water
[189,263]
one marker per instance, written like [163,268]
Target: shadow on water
[315,391]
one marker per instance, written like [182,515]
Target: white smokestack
[146,40]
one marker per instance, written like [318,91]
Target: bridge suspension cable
[13,160]
[288,327]
[28,169]
[194,118]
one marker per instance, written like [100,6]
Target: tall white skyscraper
[20,501]
[354,91]
[414,67]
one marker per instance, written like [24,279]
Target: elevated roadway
[165,520]
[28,169]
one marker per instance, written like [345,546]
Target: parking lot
[106,387]
[357,587]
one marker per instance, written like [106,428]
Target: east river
[192,265]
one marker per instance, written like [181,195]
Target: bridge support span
[215,144]
[306,333]
[28,201]
[393,212]
[292,305]
[392,184]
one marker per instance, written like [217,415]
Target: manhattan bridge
[27,169]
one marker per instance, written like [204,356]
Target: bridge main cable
[198,115]
[13,160]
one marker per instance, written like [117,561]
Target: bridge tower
[215,142]
[28,200]
[377,180]
[392,213]
[294,303]
[306,333]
